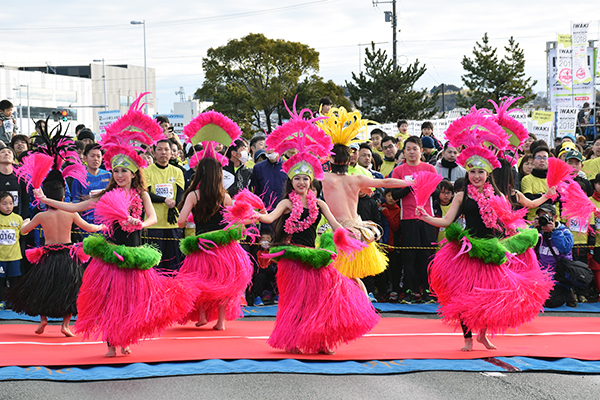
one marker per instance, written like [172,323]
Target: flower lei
[490,219]
[136,212]
[293,223]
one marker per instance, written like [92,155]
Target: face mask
[264,244]
[273,157]
[243,156]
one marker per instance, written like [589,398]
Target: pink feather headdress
[212,126]
[135,125]
[124,138]
[517,134]
[480,137]
[208,150]
[302,134]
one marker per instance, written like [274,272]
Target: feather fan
[113,207]
[424,185]
[575,203]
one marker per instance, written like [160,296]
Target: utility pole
[391,16]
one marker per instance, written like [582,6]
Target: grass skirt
[221,274]
[485,294]
[51,286]
[125,305]
[318,309]
[365,262]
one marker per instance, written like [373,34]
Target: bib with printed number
[164,190]
[8,237]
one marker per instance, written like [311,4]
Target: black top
[308,236]
[214,223]
[129,239]
[474,222]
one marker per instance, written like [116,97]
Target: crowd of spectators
[410,243]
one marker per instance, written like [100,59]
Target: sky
[178,33]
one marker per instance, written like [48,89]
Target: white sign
[564,65]
[541,125]
[581,70]
[106,118]
[177,122]
[566,121]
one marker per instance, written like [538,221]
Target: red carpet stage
[392,339]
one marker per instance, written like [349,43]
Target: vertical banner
[106,118]
[565,62]
[566,121]
[541,125]
[581,70]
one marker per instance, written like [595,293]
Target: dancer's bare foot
[125,350]
[220,326]
[42,326]
[66,331]
[293,350]
[112,352]
[201,323]
[325,350]
[468,345]
[483,339]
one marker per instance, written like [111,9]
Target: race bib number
[164,190]
[574,226]
[409,178]
[8,237]
[228,179]
[9,126]
[15,196]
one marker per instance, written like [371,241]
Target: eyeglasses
[389,146]
[541,158]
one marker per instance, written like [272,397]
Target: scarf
[450,165]
[596,196]
[539,173]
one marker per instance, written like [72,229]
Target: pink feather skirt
[123,306]
[221,276]
[318,309]
[485,295]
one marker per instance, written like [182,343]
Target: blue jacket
[268,181]
[561,240]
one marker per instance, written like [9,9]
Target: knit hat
[86,134]
[428,142]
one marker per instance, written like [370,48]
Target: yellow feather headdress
[343,126]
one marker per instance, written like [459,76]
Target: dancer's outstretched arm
[447,219]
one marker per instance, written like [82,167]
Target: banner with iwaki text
[564,61]
[566,121]
[541,125]
[581,70]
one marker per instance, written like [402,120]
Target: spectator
[582,117]
[325,105]
[447,166]
[402,134]
[390,222]
[534,185]
[165,187]
[86,137]
[427,131]
[167,128]
[268,179]
[365,160]
[256,143]
[20,144]
[97,179]
[235,174]
[260,156]
[557,236]
[594,261]
[429,151]
[177,158]
[8,124]
[415,232]
[264,285]
[442,204]
[389,144]
[376,136]
[78,128]
[368,210]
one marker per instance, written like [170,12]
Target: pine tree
[383,94]
[490,78]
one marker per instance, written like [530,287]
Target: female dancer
[220,267]
[478,280]
[318,308]
[122,298]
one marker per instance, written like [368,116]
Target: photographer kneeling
[560,238]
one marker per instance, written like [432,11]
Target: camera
[545,219]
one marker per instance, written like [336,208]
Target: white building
[37,91]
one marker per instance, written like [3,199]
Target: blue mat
[270,311]
[142,370]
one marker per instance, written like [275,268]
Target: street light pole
[145,69]
[104,78]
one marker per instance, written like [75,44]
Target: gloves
[172,215]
